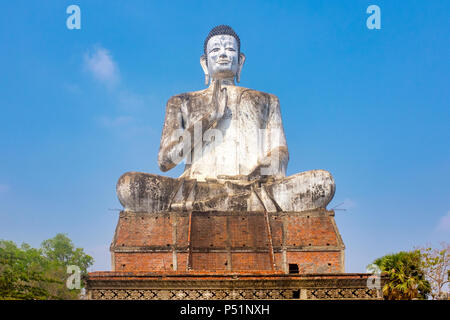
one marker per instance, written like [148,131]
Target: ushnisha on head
[222,58]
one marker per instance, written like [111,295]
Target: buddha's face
[222,52]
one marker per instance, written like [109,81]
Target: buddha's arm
[275,154]
[179,126]
[170,147]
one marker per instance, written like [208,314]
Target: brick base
[303,242]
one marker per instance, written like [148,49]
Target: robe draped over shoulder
[250,134]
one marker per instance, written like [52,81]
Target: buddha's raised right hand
[219,100]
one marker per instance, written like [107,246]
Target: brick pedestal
[228,255]
[299,242]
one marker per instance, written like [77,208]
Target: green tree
[60,249]
[23,272]
[29,273]
[406,278]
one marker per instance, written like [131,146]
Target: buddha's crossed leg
[144,192]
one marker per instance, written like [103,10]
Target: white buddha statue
[232,142]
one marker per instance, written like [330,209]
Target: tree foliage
[29,273]
[61,250]
[406,277]
[436,267]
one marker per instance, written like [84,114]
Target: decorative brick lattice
[238,294]
[344,293]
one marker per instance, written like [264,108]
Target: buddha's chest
[242,108]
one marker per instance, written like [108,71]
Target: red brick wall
[316,262]
[152,261]
[251,261]
[227,241]
[209,261]
[310,231]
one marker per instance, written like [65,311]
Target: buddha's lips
[223,61]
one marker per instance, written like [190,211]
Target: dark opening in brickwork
[293,268]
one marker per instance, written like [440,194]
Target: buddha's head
[222,58]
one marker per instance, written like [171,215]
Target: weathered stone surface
[143,192]
[237,142]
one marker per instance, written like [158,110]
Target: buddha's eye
[215,50]
[230,49]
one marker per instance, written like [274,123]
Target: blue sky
[81,107]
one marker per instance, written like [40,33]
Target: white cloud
[444,223]
[101,65]
[3,188]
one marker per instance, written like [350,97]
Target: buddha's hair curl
[220,30]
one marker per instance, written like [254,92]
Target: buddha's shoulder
[254,93]
[179,98]
[242,91]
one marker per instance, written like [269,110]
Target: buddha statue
[232,142]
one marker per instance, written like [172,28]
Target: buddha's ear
[241,64]
[204,65]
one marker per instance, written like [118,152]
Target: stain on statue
[232,143]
